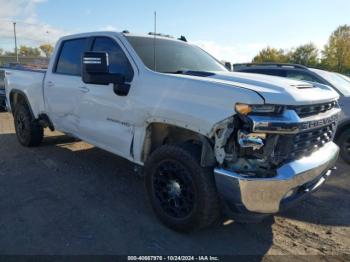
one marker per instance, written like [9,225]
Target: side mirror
[228,66]
[95,69]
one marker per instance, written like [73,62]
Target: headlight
[245,109]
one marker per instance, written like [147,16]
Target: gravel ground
[68,197]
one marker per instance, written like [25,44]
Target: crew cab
[207,140]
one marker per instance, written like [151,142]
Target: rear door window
[69,61]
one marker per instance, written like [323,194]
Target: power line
[23,22]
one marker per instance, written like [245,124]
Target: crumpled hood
[278,90]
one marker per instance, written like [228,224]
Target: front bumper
[267,195]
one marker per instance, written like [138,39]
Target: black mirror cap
[96,70]
[95,62]
[103,78]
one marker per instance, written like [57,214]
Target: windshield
[173,56]
[339,82]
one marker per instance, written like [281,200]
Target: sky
[231,30]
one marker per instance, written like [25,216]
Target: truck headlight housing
[245,109]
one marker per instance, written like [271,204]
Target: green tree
[305,55]
[336,54]
[1,51]
[271,55]
[9,53]
[46,49]
[29,51]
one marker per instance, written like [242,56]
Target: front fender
[194,103]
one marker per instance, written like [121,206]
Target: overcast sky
[233,30]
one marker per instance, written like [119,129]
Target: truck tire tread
[34,133]
[208,206]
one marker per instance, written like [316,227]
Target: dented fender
[221,133]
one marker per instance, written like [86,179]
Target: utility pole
[14,32]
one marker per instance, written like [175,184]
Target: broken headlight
[245,109]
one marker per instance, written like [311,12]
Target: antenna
[154,42]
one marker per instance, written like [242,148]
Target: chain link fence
[34,62]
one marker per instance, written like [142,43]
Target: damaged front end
[239,149]
[269,154]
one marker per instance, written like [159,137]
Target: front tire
[182,193]
[28,130]
[344,143]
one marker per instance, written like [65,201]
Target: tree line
[335,55]
[27,51]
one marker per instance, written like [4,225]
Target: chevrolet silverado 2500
[207,139]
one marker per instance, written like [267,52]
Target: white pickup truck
[208,140]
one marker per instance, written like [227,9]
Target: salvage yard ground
[68,197]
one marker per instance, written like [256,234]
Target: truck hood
[277,90]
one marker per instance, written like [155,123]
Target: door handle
[84,89]
[50,84]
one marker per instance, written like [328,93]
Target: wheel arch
[158,134]
[17,96]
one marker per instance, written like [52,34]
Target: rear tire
[28,130]
[344,143]
[182,193]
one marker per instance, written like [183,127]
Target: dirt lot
[67,197]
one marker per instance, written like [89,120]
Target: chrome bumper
[265,195]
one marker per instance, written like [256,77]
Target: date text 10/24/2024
[173,258]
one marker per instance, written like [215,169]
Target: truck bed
[28,81]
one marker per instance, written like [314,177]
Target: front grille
[296,146]
[309,110]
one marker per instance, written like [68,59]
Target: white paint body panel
[112,122]
[28,82]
